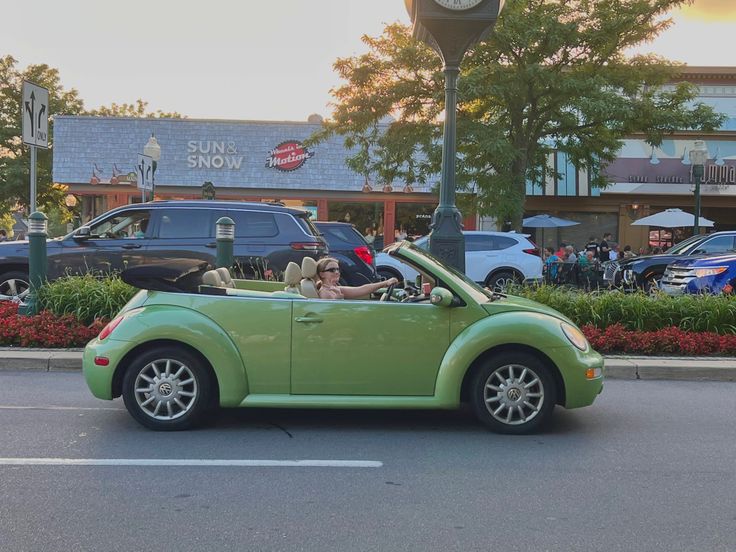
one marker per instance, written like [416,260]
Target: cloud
[710,10]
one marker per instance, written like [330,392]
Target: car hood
[512,303]
[717,260]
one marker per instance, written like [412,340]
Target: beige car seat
[309,274]
[227,280]
[292,277]
[212,278]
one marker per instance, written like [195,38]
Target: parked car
[348,246]
[267,237]
[173,355]
[493,259]
[645,272]
[711,275]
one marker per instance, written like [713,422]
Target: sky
[250,59]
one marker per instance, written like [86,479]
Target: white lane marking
[189,462]
[59,408]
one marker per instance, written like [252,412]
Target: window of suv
[130,224]
[721,244]
[254,224]
[186,223]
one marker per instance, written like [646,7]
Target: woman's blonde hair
[322,264]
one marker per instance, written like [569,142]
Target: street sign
[144,172]
[35,114]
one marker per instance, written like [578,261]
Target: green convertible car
[193,339]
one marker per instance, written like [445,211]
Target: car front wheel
[167,389]
[14,286]
[513,393]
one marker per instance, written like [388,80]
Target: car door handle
[308,319]
[211,245]
[132,246]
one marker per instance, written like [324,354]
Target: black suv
[356,258]
[646,272]
[267,237]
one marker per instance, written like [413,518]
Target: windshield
[685,246]
[436,266]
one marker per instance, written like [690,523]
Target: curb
[616,367]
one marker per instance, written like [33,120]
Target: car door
[350,347]
[183,232]
[480,256]
[114,243]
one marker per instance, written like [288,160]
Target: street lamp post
[152,150]
[698,157]
[450,27]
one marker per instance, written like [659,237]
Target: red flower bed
[44,329]
[667,341]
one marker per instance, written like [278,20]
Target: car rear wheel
[14,286]
[513,393]
[167,388]
[500,281]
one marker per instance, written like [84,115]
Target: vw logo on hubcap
[165,389]
[514,394]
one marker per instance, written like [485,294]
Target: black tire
[14,285]
[513,393]
[499,281]
[388,273]
[651,284]
[182,397]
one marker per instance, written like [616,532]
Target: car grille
[677,277]
[609,270]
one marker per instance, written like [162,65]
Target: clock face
[458,4]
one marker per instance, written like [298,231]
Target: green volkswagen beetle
[193,339]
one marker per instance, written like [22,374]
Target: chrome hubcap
[14,290]
[513,394]
[166,389]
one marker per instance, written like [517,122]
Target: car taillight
[364,253]
[306,246]
[534,251]
[107,330]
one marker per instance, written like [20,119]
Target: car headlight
[575,336]
[712,271]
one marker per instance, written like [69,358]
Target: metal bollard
[37,234]
[225,235]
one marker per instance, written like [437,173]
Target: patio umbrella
[672,218]
[546,221]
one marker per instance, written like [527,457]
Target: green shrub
[637,311]
[86,297]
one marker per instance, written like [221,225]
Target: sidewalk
[617,367]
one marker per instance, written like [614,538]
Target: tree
[15,157]
[138,109]
[553,76]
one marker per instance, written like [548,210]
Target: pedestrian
[605,246]
[628,253]
[551,264]
[588,266]
[570,256]
[370,235]
[3,235]
[592,246]
[613,253]
[561,251]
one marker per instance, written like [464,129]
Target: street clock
[458,4]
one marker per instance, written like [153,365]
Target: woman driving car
[328,287]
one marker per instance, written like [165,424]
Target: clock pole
[450,27]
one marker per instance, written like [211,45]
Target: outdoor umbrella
[672,218]
[546,221]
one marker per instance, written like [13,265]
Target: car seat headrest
[292,274]
[212,278]
[309,268]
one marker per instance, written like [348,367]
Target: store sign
[288,156]
[720,174]
[213,154]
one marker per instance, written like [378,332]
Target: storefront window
[365,216]
[413,219]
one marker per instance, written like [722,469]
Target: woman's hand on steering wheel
[387,294]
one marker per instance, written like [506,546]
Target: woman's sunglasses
[333,270]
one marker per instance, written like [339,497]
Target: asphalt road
[651,466]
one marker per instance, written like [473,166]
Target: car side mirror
[82,233]
[440,297]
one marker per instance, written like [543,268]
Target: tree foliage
[15,157]
[553,76]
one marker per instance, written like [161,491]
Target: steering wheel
[387,294]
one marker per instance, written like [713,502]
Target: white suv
[493,259]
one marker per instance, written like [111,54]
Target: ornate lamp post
[153,150]
[698,157]
[450,27]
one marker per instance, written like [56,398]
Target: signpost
[144,172]
[35,117]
